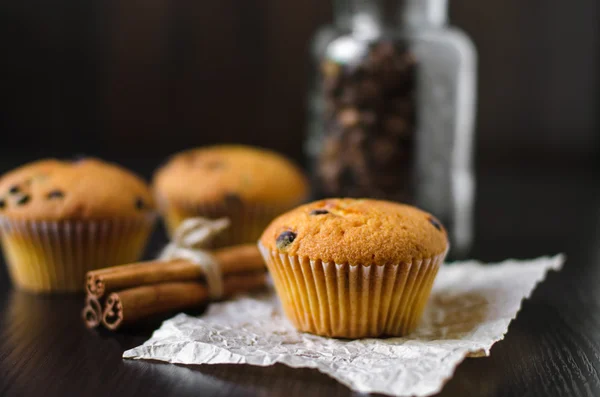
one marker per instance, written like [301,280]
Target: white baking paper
[469,310]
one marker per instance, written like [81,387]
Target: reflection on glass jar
[392,110]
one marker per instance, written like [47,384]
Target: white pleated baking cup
[352,301]
[248,221]
[54,256]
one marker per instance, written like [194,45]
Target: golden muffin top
[82,189]
[357,232]
[214,173]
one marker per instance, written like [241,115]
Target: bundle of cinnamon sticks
[121,295]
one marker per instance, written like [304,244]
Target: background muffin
[354,268]
[59,219]
[249,185]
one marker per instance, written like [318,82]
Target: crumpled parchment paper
[469,310]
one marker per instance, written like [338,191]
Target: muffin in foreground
[354,268]
[60,219]
[250,186]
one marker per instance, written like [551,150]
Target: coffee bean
[370,90]
[14,189]
[329,108]
[401,106]
[369,118]
[331,148]
[140,204]
[285,239]
[319,212]
[24,199]
[436,223]
[333,87]
[55,194]
[349,117]
[384,150]
[349,96]
[330,174]
[396,126]
[380,51]
[386,49]
[369,122]
[356,137]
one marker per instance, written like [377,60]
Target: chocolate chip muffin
[60,219]
[251,186]
[354,268]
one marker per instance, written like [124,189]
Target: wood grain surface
[552,349]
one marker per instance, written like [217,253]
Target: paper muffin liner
[248,221]
[54,256]
[352,301]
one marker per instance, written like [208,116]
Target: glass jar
[392,110]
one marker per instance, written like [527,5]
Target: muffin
[354,268]
[250,186]
[60,219]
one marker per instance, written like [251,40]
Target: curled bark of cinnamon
[122,295]
[243,258]
[92,312]
[130,305]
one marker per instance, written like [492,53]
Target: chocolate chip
[2,204]
[319,212]
[55,194]
[140,204]
[14,189]
[436,223]
[233,199]
[24,199]
[285,239]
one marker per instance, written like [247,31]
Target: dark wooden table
[552,349]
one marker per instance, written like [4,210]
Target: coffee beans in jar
[368,116]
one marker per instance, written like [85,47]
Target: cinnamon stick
[242,258]
[92,312]
[128,306]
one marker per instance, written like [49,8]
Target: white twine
[189,242]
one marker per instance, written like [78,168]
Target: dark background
[140,79]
